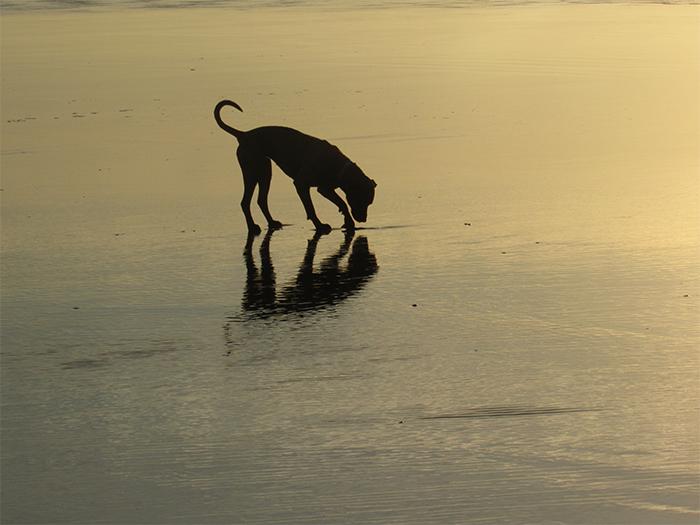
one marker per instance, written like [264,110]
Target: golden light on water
[516,341]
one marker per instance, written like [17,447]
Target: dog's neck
[340,177]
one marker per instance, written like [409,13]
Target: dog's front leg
[305,196]
[331,195]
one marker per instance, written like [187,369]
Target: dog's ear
[374,184]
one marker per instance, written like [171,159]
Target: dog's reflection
[313,288]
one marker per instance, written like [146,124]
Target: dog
[310,162]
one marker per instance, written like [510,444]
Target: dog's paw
[254,229]
[275,225]
[324,228]
[349,226]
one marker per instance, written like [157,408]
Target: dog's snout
[360,215]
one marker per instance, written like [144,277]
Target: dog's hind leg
[251,170]
[263,190]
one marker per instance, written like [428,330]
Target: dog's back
[296,153]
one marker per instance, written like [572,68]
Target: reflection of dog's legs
[267,272]
[332,262]
[260,292]
[251,295]
[349,234]
[252,271]
[268,280]
[306,269]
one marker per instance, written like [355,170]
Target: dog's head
[360,194]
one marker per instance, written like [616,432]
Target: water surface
[512,338]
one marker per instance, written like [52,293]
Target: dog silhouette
[310,162]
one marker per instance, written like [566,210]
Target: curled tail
[221,123]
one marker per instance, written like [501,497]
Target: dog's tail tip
[221,123]
[229,103]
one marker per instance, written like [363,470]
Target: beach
[511,337]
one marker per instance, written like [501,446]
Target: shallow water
[511,338]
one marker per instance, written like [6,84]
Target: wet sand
[120,102]
[512,338]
